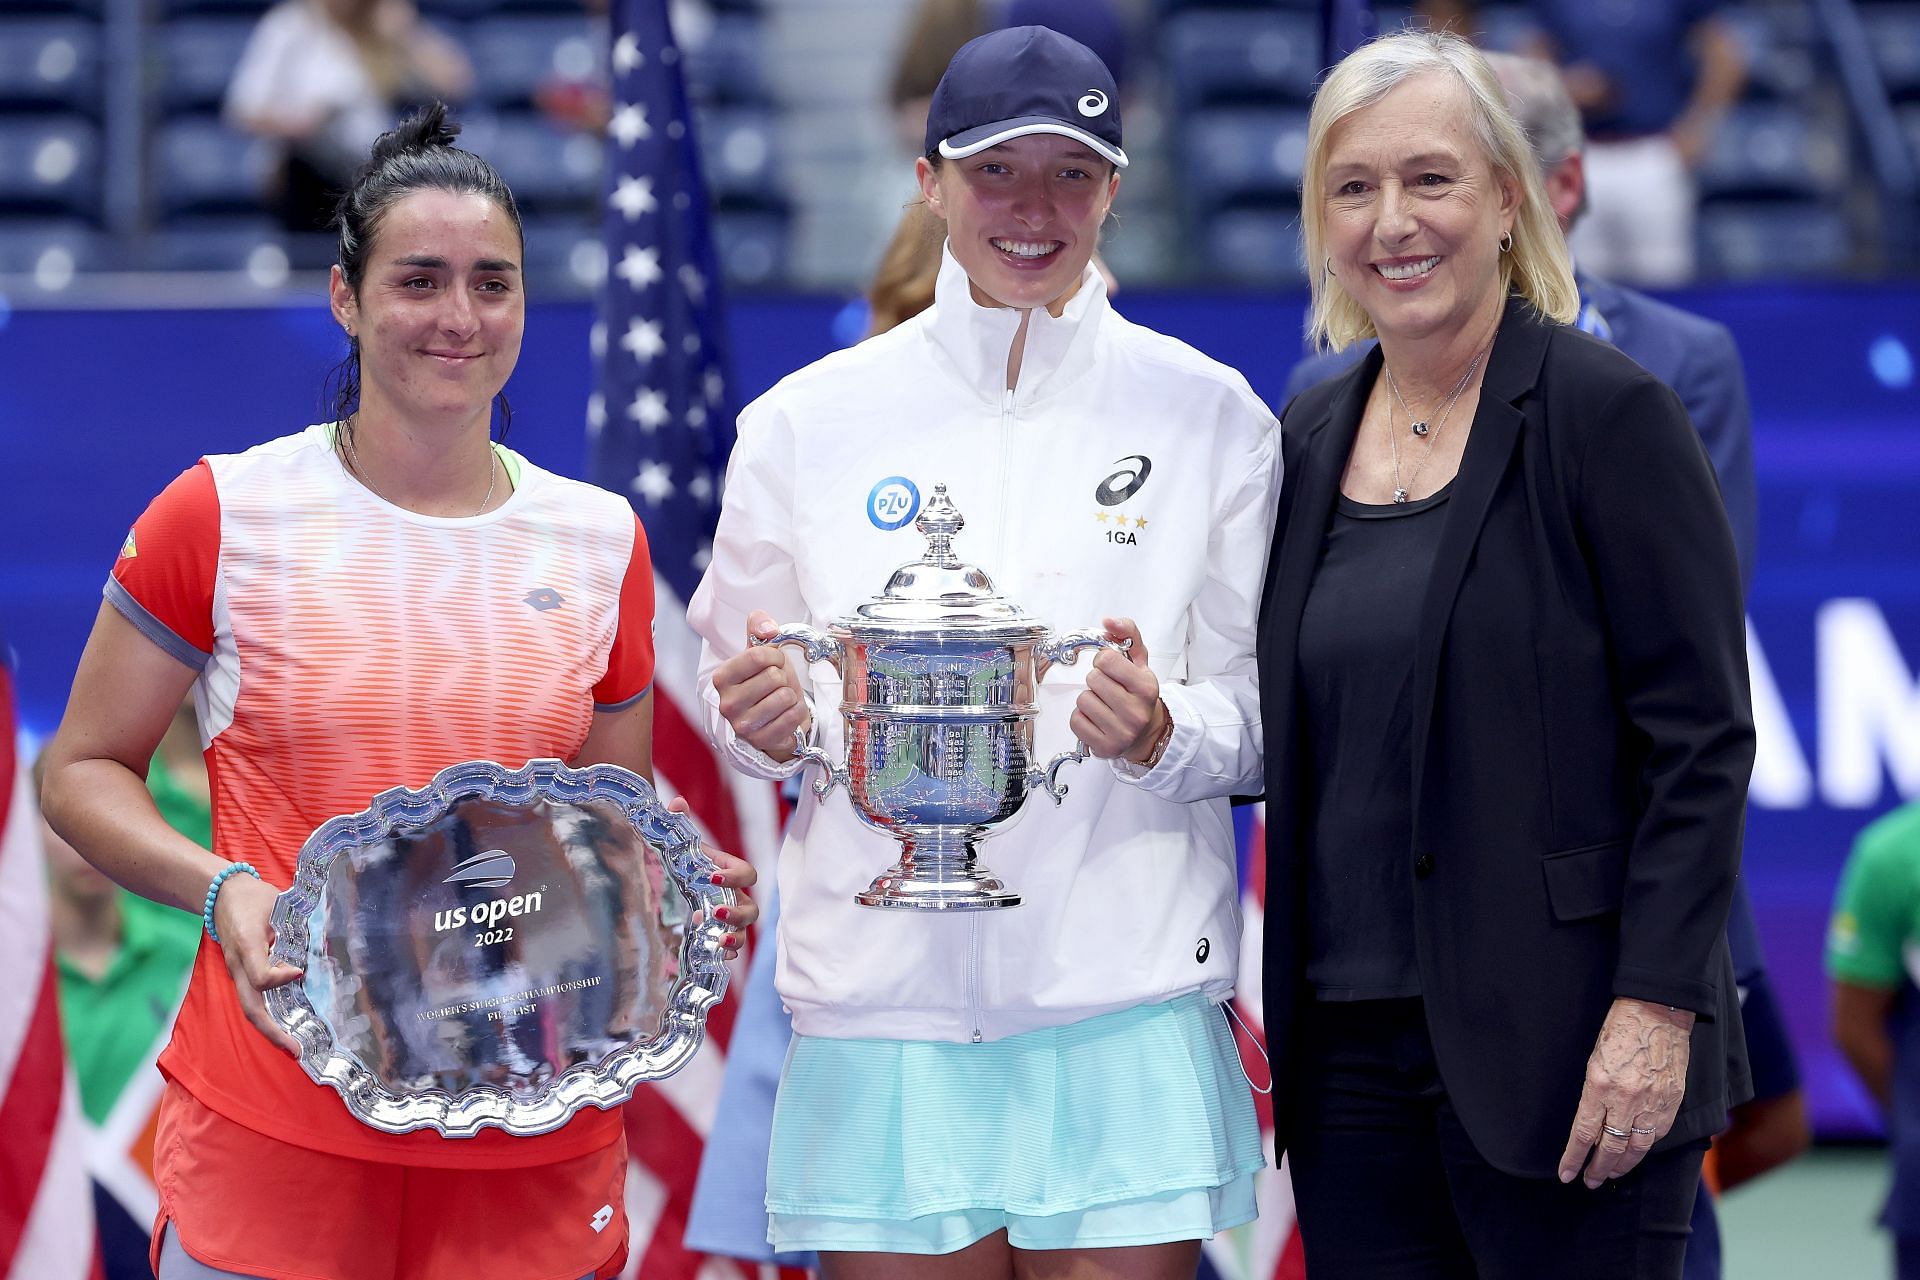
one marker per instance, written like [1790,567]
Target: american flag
[660,427]
[46,1201]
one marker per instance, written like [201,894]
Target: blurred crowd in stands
[1736,139]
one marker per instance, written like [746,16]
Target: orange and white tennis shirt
[345,646]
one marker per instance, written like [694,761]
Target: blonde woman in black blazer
[1504,687]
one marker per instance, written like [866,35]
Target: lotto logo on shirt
[893,502]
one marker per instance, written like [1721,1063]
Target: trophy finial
[940,520]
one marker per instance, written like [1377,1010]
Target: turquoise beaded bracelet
[213,891]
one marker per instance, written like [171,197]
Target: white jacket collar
[976,339]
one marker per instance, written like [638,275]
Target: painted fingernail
[721,913]
[717,878]
[732,943]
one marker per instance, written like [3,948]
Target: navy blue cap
[1020,81]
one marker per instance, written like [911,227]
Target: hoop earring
[1506,242]
[1328,268]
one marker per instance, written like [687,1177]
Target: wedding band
[1617,1133]
[1638,1129]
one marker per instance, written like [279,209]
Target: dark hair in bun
[418,155]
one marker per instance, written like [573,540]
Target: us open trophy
[499,948]
[938,675]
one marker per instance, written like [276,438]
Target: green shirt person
[1873,960]
[123,960]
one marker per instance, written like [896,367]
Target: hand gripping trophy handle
[1065,649]
[817,646]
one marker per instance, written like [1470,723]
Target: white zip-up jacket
[1126,476]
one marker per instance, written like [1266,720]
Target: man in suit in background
[1697,358]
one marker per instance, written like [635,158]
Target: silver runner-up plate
[500,948]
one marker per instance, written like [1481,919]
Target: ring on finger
[1639,1130]
[1613,1132]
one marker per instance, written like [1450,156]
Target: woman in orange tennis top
[358,606]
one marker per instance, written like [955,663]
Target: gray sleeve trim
[152,628]
[624,703]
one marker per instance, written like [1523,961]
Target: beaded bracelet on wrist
[213,892]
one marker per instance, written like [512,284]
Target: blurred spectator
[1652,79]
[123,959]
[324,78]
[940,27]
[903,285]
[1876,1007]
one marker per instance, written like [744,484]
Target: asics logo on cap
[1093,103]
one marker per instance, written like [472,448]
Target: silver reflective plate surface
[500,948]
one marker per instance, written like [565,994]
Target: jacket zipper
[973,977]
[1006,471]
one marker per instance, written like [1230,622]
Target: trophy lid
[939,590]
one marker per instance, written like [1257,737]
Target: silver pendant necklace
[352,457]
[1421,428]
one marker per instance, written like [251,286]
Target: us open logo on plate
[487,870]
[893,502]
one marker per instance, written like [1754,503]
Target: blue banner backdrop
[98,410]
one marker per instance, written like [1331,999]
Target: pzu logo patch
[893,502]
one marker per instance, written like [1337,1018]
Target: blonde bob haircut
[1538,266]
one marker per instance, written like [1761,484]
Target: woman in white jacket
[979,1085]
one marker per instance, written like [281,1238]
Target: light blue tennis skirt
[1135,1127]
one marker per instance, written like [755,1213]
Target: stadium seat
[171,9]
[740,153]
[50,165]
[1237,156]
[1253,247]
[57,8]
[752,246]
[452,13]
[724,69]
[549,168]
[249,244]
[201,166]
[197,58]
[1771,149]
[50,62]
[514,56]
[1779,44]
[1772,239]
[1909,117]
[1506,27]
[1171,7]
[50,252]
[566,257]
[1894,30]
[1241,56]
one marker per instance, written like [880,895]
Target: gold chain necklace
[352,457]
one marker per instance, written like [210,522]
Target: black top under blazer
[1582,736]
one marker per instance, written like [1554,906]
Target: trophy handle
[832,774]
[818,646]
[1065,649]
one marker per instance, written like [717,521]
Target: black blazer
[1581,736]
